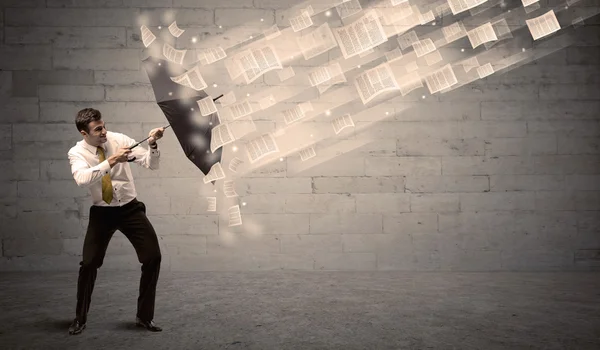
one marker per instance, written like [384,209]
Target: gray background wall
[502,174]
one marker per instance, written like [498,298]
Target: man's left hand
[155,134]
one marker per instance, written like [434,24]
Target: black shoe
[149,325]
[76,327]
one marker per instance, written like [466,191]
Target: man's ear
[83,132]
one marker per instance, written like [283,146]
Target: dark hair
[85,117]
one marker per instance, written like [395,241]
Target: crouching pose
[100,162]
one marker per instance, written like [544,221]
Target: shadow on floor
[129,326]
[53,325]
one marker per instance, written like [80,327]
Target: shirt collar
[91,148]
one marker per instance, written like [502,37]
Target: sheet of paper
[234,163]
[229,189]
[235,216]
[192,79]
[407,40]
[348,8]
[240,109]
[443,10]
[227,99]
[441,79]
[502,31]
[261,146]
[147,36]
[361,35]
[396,15]
[211,55]
[423,47]
[175,30]
[317,42]
[470,63]
[300,22]
[220,136]
[256,62]
[532,7]
[433,58]
[292,115]
[528,2]
[426,17]
[212,203]
[458,6]
[543,25]
[393,55]
[485,70]
[207,106]
[172,54]
[342,122]
[309,9]
[410,82]
[336,74]
[454,31]
[482,34]
[234,68]
[374,82]
[216,173]
[307,153]
[272,33]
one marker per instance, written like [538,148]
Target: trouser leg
[99,232]
[137,228]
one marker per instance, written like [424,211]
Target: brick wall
[500,174]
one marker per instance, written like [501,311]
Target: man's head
[90,125]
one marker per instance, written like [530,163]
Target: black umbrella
[179,105]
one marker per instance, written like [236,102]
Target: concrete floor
[309,310]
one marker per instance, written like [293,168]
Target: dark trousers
[131,220]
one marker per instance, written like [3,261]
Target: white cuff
[104,167]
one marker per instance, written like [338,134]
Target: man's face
[97,133]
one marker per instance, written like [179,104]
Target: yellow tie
[107,193]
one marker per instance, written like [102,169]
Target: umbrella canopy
[179,105]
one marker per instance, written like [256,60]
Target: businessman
[100,162]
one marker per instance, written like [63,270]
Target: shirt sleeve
[148,158]
[83,174]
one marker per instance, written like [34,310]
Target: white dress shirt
[88,171]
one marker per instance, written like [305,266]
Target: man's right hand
[119,157]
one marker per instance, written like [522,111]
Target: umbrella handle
[137,144]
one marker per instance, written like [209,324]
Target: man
[100,162]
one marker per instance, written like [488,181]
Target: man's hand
[119,157]
[155,134]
